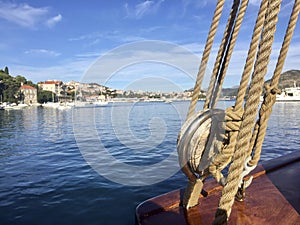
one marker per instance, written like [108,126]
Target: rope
[272,89]
[233,121]
[205,56]
[244,136]
[236,29]
[256,36]
[223,159]
[222,53]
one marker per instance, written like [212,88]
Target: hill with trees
[10,86]
[287,79]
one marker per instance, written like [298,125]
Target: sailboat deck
[272,198]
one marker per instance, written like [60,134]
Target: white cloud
[21,14]
[193,4]
[27,16]
[142,9]
[69,70]
[97,37]
[92,55]
[54,20]
[86,37]
[42,52]
[149,62]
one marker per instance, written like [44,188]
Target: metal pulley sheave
[199,141]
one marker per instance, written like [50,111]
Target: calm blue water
[45,178]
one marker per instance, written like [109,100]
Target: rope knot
[272,90]
[232,123]
[233,119]
[269,97]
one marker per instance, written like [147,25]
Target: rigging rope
[235,170]
[252,103]
[205,56]
[272,89]
[223,70]
[243,135]
[222,54]
[235,114]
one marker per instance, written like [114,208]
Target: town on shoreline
[18,92]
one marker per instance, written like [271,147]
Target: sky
[142,45]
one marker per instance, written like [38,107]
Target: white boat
[100,103]
[12,106]
[169,101]
[289,95]
[80,104]
[64,107]
[51,105]
[22,105]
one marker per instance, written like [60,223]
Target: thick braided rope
[220,161]
[253,139]
[223,70]
[256,36]
[222,52]
[271,90]
[224,157]
[260,69]
[205,56]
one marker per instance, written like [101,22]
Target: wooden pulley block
[198,142]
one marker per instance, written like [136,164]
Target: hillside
[287,79]
[9,86]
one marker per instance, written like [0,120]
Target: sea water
[95,165]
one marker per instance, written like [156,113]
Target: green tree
[2,85]
[30,83]
[72,93]
[21,79]
[45,96]
[6,70]
[10,92]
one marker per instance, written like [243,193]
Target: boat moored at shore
[291,94]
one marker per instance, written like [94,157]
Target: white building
[29,94]
[54,86]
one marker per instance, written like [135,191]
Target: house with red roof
[54,86]
[29,94]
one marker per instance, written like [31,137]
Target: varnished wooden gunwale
[264,203]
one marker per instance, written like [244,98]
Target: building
[54,86]
[29,94]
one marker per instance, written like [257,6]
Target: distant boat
[64,107]
[13,106]
[22,105]
[51,105]
[81,104]
[168,101]
[291,94]
[100,103]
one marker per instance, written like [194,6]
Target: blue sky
[65,40]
